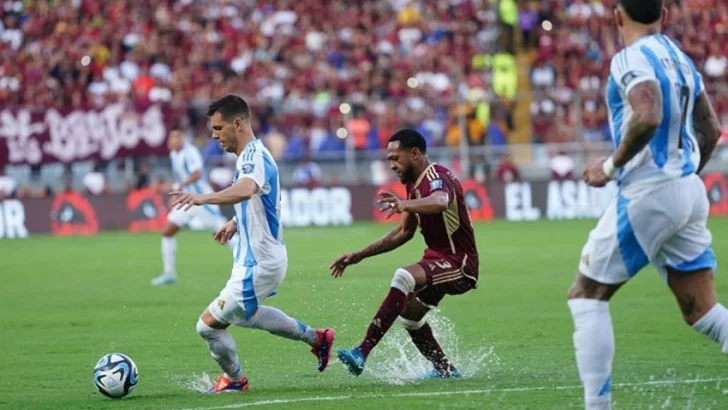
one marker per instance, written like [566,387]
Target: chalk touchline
[444,393]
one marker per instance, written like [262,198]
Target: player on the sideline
[665,130]
[188,170]
[260,258]
[436,203]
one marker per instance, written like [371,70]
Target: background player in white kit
[260,258]
[189,172]
[665,131]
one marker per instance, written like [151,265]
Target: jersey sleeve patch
[247,168]
[436,184]
[628,77]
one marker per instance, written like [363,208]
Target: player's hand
[184,200]
[594,173]
[390,203]
[226,232]
[337,268]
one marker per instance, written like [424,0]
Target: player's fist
[226,232]
[337,268]
[390,203]
[594,173]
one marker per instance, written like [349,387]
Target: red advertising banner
[41,136]
[145,210]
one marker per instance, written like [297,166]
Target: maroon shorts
[446,276]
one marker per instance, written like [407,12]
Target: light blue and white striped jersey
[186,161]
[672,153]
[259,218]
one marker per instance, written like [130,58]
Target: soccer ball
[115,375]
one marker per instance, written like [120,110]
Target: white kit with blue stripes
[660,213]
[260,259]
[185,162]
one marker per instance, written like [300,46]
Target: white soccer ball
[115,375]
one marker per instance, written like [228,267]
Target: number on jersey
[684,101]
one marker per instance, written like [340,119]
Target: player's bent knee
[412,324]
[587,288]
[208,321]
[206,331]
[170,230]
[404,281]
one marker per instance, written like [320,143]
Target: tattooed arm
[391,241]
[707,128]
[646,101]
[394,239]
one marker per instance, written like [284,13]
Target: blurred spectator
[507,170]
[94,182]
[143,176]
[380,173]
[479,168]
[528,22]
[562,167]
[221,176]
[716,63]
[308,173]
[8,185]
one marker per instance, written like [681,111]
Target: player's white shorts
[247,288]
[206,217]
[665,227]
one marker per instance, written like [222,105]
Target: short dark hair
[642,11]
[409,138]
[229,107]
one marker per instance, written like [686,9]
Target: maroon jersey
[449,234]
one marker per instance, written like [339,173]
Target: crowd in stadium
[575,43]
[423,64]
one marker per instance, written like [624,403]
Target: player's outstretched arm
[707,128]
[235,193]
[238,192]
[391,241]
[646,101]
[394,239]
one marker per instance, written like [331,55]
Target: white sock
[169,254]
[280,324]
[594,345]
[223,350]
[714,324]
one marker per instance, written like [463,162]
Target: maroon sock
[390,308]
[428,346]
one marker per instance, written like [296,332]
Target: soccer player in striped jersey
[189,171]
[665,131]
[260,258]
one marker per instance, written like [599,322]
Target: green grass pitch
[68,301]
